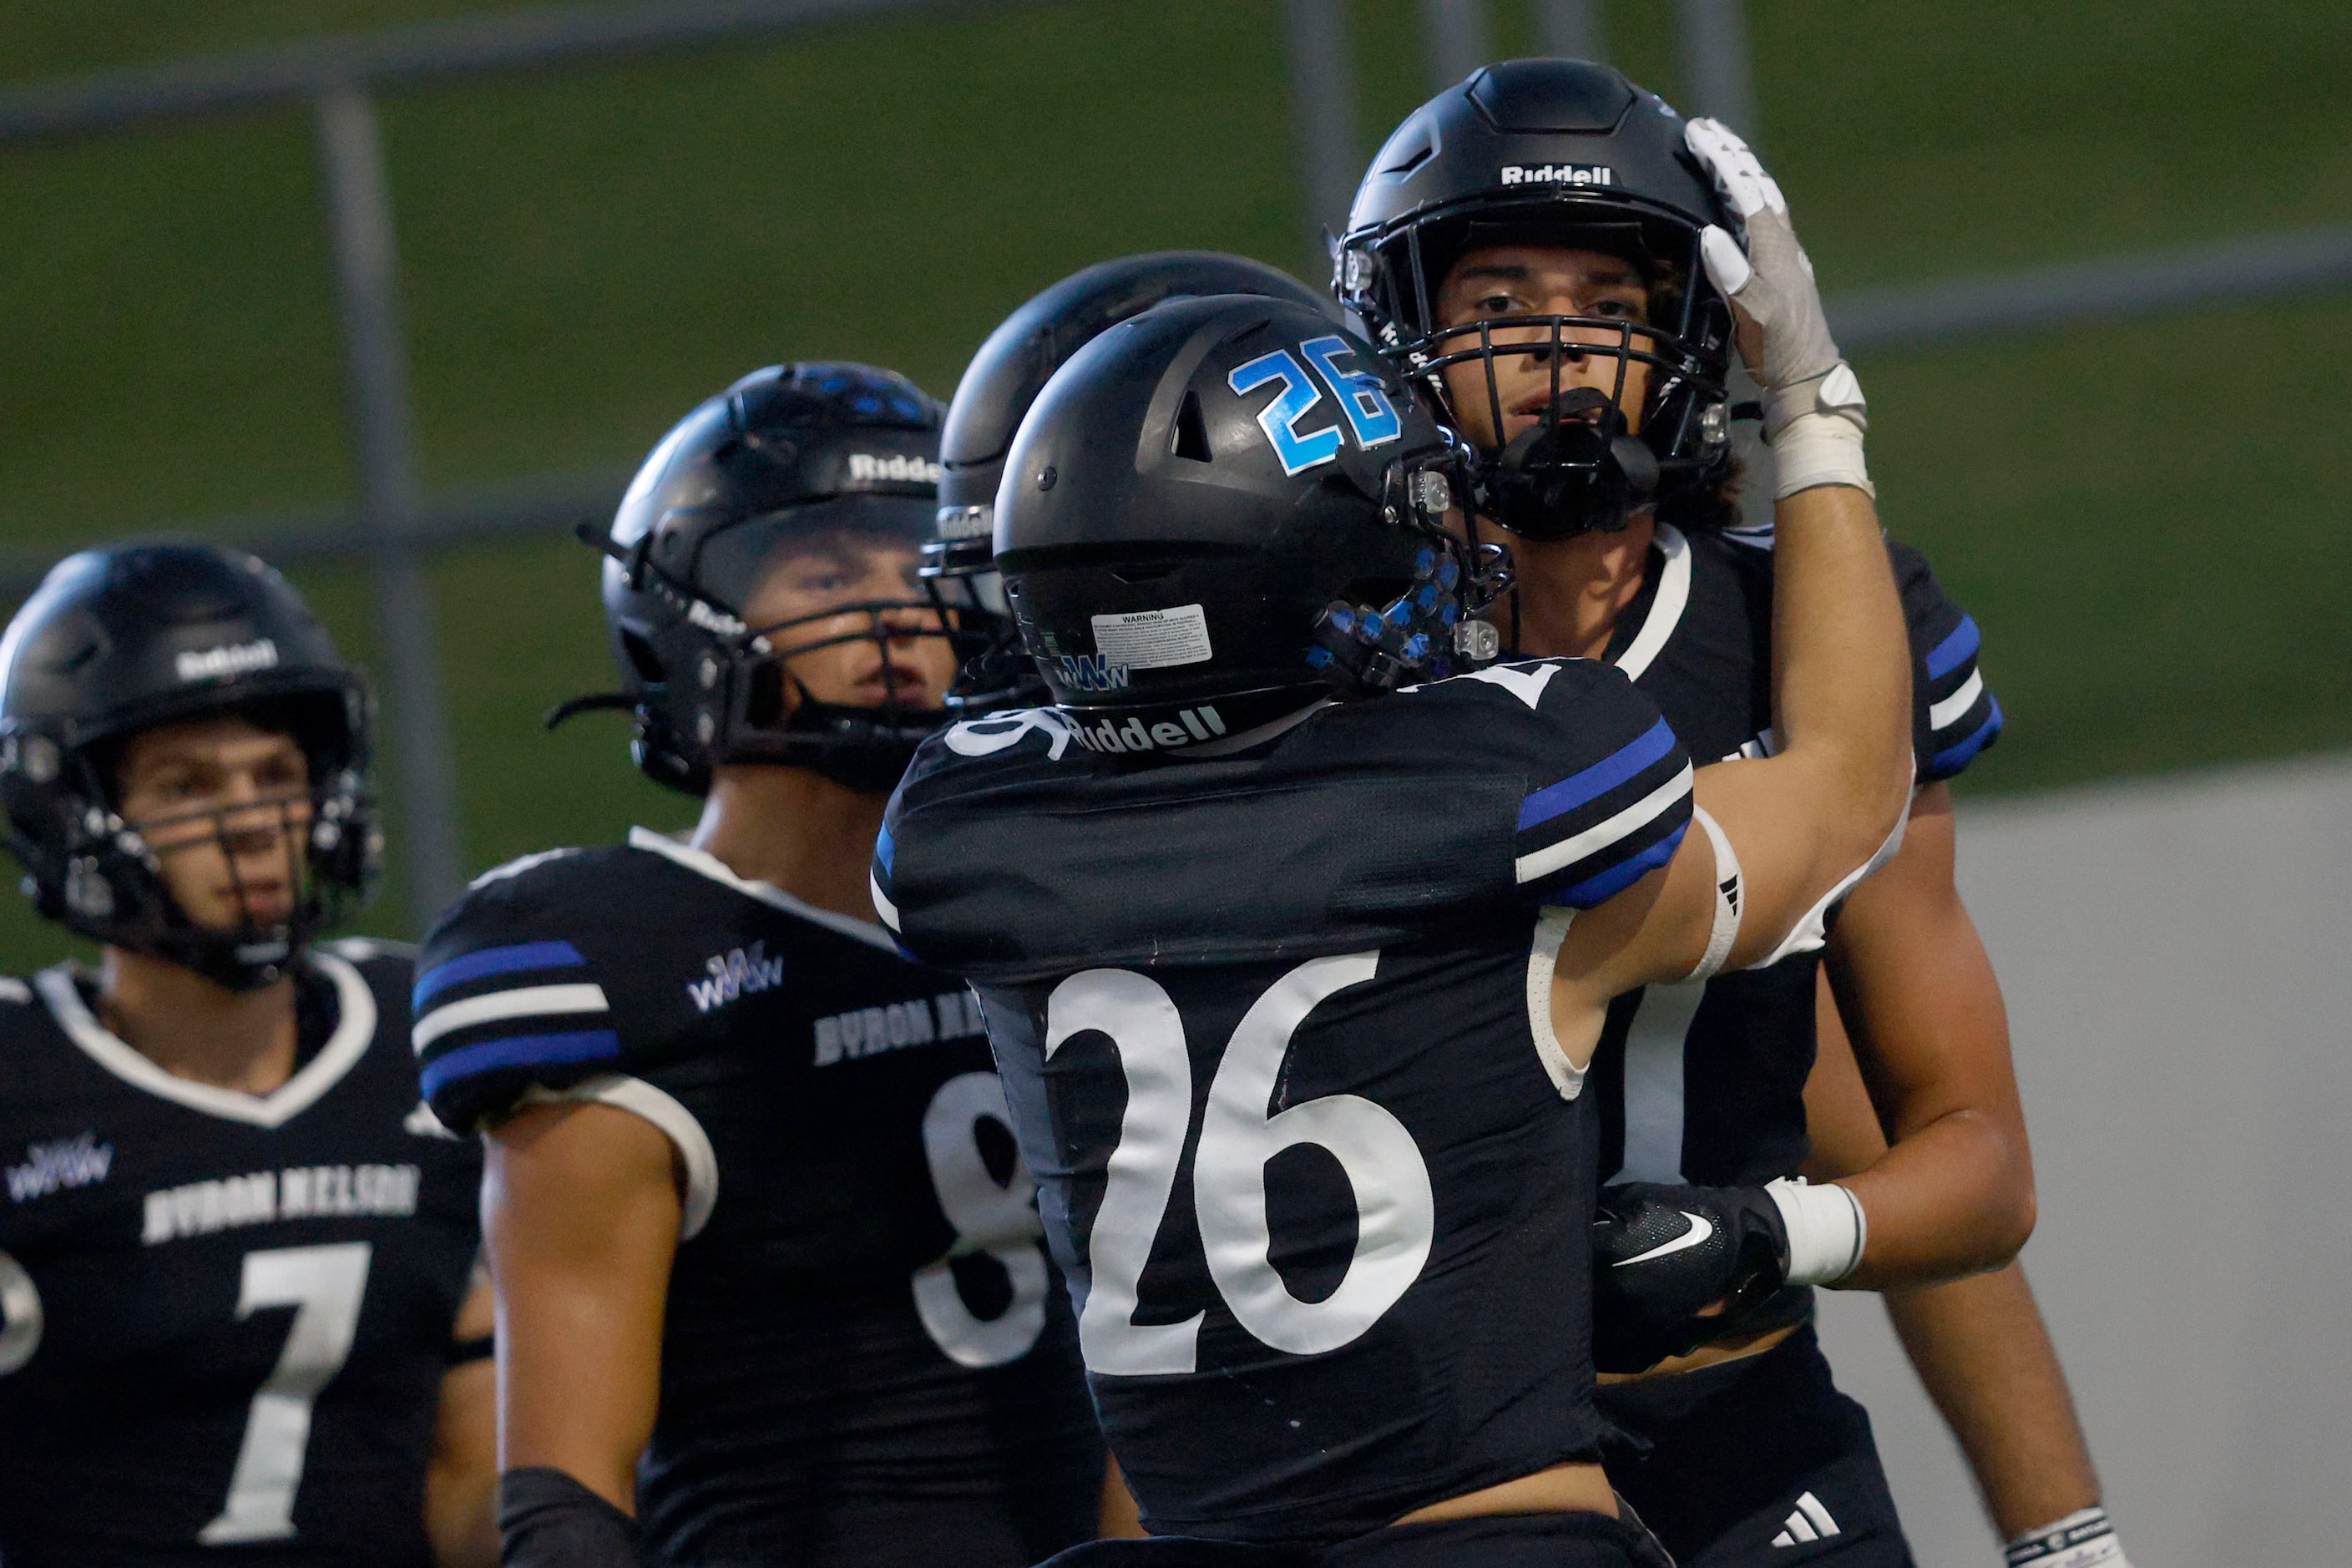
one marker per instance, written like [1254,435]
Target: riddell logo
[1197,724]
[1558,174]
[866,469]
[228,659]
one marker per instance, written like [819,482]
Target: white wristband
[2082,1539]
[1827,1231]
[1819,449]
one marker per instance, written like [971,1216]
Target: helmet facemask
[1382,636]
[110,875]
[753,706]
[1594,449]
[958,572]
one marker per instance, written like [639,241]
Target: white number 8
[20,1315]
[1396,1212]
[998,1219]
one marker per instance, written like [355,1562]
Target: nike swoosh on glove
[1662,1253]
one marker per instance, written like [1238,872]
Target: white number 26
[1395,1212]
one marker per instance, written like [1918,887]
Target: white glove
[1783,335]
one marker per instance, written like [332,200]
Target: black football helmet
[1004,378]
[1223,509]
[787,456]
[1555,152]
[121,639]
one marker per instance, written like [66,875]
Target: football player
[1532,247]
[236,1324]
[998,386]
[753,1206]
[1294,977]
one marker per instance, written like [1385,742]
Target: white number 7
[323,1285]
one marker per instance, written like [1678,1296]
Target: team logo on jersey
[1091,672]
[76,1162]
[229,658]
[1556,174]
[746,970]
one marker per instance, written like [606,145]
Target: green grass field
[2146,517]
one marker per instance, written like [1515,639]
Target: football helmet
[1563,153]
[1004,378]
[1223,509]
[119,639]
[782,460]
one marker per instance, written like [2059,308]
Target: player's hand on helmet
[1674,1267]
[1783,333]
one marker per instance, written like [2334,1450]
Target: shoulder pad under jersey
[1606,784]
[505,997]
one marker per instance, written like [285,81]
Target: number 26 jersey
[1276,1033]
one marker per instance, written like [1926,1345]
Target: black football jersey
[224,1317]
[860,1307]
[1705,1082]
[1276,1029]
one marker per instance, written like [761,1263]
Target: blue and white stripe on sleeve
[1962,715]
[1587,836]
[526,1005]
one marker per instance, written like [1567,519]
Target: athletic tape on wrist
[1728,900]
[1827,1230]
[2082,1539]
[1817,449]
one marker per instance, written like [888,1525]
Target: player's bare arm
[1954,1192]
[1805,821]
[1978,1344]
[1800,823]
[461,1485]
[579,1219]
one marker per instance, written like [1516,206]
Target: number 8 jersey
[859,1314]
[1276,1033]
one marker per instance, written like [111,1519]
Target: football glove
[1814,413]
[1662,1255]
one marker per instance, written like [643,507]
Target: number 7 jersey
[1275,1034]
[225,1318]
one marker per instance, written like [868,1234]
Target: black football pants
[910,1533]
[1519,1541]
[1756,1463]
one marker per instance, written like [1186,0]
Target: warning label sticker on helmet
[1154,639]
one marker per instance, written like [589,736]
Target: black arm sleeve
[549,1520]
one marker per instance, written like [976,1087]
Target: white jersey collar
[1667,605]
[355,1021]
[706,865]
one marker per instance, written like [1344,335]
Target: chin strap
[1571,474]
[598,701]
